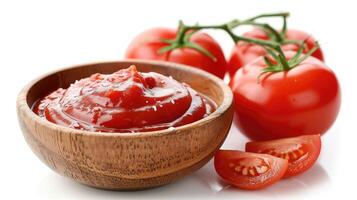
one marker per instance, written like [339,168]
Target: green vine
[273,46]
[185,32]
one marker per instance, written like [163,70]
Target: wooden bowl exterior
[126,161]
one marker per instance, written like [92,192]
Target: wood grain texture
[126,161]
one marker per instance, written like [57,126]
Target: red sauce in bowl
[125,101]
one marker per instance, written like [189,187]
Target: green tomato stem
[280,14]
[273,46]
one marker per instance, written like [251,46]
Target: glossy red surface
[304,100]
[125,101]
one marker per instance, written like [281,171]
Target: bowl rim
[226,103]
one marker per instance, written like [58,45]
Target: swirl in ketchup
[125,101]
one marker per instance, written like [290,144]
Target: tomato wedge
[250,171]
[301,152]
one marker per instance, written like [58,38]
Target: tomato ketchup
[125,101]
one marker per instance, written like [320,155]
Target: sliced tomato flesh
[301,152]
[249,171]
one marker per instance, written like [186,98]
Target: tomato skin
[301,152]
[276,168]
[304,100]
[244,53]
[147,44]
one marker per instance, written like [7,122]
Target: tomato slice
[301,152]
[249,171]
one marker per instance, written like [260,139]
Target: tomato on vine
[187,45]
[244,52]
[285,89]
[285,95]
[194,49]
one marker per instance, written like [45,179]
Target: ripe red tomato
[301,152]
[304,100]
[249,171]
[147,44]
[244,53]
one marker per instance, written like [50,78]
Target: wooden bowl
[126,161]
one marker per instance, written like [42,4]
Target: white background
[39,36]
